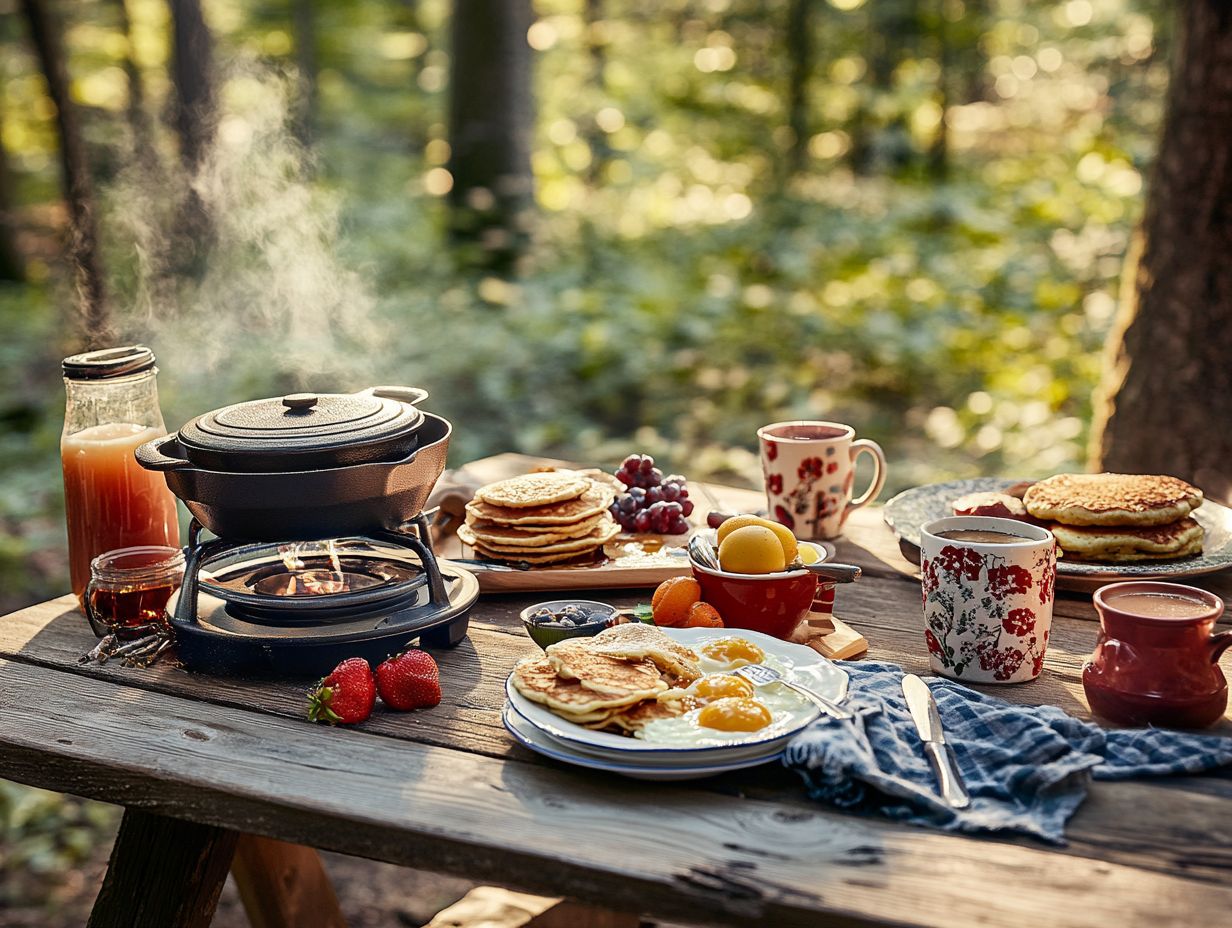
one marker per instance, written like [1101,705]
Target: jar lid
[106,363]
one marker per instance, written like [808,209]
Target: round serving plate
[911,509]
[533,739]
[805,666]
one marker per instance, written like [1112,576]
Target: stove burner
[301,608]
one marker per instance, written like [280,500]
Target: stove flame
[315,582]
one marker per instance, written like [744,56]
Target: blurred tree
[800,56]
[490,128]
[596,138]
[84,251]
[1169,386]
[192,72]
[138,120]
[303,22]
[12,263]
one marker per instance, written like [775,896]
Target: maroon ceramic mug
[1156,661]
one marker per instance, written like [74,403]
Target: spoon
[701,552]
[839,573]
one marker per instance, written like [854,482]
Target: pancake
[608,676]
[639,641]
[592,502]
[1121,544]
[531,490]
[636,717]
[567,558]
[1000,505]
[524,536]
[515,542]
[537,680]
[1112,499]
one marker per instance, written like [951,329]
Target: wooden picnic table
[199,761]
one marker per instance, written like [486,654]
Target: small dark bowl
[545,636]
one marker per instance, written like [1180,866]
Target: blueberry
[566,622]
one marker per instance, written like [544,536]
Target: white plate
[806,667]
[530,737]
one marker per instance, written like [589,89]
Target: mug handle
[100,628]
[1218,644]
[866,446]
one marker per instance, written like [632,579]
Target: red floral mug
[809,469]
[987,604]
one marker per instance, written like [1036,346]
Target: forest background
[909,215]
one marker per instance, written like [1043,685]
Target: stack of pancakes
[541,518]
[612,681]
[1118,517]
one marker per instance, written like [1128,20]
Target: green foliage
[942,272]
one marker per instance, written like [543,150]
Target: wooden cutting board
[613,574]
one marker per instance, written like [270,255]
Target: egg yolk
[734,713]
[720,685]
[731,650]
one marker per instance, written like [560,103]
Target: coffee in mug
[988,594]
[809,469]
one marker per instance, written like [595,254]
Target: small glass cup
[129,588]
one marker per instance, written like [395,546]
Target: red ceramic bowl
[771,603]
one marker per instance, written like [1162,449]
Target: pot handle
[1218,644]
[412,396]
[151,457]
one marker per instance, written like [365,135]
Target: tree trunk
[12,263]
[800,55]
[303,20]
[596,138]
[192,73]
[490,128]
[138,118]
[1168,390]
[75,174]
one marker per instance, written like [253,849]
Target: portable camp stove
[300,608]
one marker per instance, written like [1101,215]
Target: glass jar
[110,500]
[129,588]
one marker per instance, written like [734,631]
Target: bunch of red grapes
[651,502]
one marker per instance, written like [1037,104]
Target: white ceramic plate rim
[825,679]
[535,740]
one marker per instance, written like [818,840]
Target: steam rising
[266,299]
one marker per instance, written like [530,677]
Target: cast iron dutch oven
[305,466]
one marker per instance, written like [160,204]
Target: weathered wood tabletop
[447,790]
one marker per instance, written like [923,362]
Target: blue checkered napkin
[1027,768]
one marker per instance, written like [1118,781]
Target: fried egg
[728,653]
[728,710]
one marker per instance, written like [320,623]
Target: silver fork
[761,675]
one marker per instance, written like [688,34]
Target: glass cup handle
[869,447]
[99,628]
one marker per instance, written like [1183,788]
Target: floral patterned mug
[987,605]
[809,469]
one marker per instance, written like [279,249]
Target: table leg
[284,885]
[163,873]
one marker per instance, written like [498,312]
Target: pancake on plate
[1127,543]
[573,659]
[538,681]
[638,641]
[1112,499]
[541,518]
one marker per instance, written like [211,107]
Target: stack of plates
[542,731]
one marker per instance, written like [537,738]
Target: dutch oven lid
[303,431]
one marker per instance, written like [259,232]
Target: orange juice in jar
[111,501]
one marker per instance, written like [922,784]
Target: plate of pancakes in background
[1108,526]
[664,704]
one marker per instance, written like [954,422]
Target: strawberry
[409,681]
[346,696]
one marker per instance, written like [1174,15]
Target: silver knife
[928,723]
